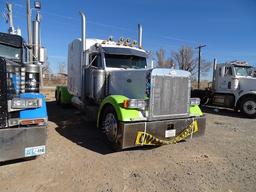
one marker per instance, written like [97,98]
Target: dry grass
[49,93]
[203,84]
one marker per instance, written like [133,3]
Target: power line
[178,39]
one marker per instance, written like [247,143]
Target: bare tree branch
[185,60]
[161,61]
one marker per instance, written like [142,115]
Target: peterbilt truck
[133,104]
[23,115]
[233,87]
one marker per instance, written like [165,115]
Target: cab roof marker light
[111,38]
[127,41]
[133,44]
[120,41]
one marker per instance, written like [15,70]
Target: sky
[227,27]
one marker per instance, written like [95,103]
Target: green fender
[116,101]
[65,95]
[195,111]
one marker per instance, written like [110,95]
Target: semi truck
[233,87]
[23,118]
[133,104]
[23,114]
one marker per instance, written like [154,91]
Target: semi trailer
[232,86]
[133,104]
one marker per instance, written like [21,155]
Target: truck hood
[130,83]
[247,83]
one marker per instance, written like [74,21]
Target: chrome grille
[169,96]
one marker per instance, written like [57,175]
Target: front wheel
[110,126]
[248,107]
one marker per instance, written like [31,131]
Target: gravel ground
[78,160]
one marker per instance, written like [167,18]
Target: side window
[95,60]
[228,71]
[220,72]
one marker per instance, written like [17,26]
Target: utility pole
[30,54]
[199,64]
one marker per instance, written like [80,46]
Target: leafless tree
[46,66]
[185,59]
[206,66]
[161,61]
[62,68]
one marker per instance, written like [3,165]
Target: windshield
[10,52]
[243,71]
[125,61]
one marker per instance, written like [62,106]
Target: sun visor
[123,51]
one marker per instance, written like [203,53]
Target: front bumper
[22,142]
[155,131]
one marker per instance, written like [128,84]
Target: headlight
[18,103]
[32,103]
[195,101]
[135,104]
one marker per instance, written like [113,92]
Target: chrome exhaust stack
[83,30]
[140,36]
[214,73]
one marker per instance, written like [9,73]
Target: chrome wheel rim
[110,127]
[249,107]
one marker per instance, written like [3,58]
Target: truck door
[226,79]
[94,76]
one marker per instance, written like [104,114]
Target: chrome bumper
[15,141]
[128,132]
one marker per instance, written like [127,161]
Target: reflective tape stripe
[148,139]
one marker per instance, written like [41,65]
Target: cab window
[228,71]
[95,60]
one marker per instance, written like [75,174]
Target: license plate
[34,151]
[170,133]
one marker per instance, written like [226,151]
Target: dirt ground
[77,159]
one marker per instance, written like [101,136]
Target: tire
[248,107]
[56,97]
[109,125]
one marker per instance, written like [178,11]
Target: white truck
[233,86]
[133,104]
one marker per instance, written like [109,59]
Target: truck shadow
[223,112]
[72,126]
[14,161]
